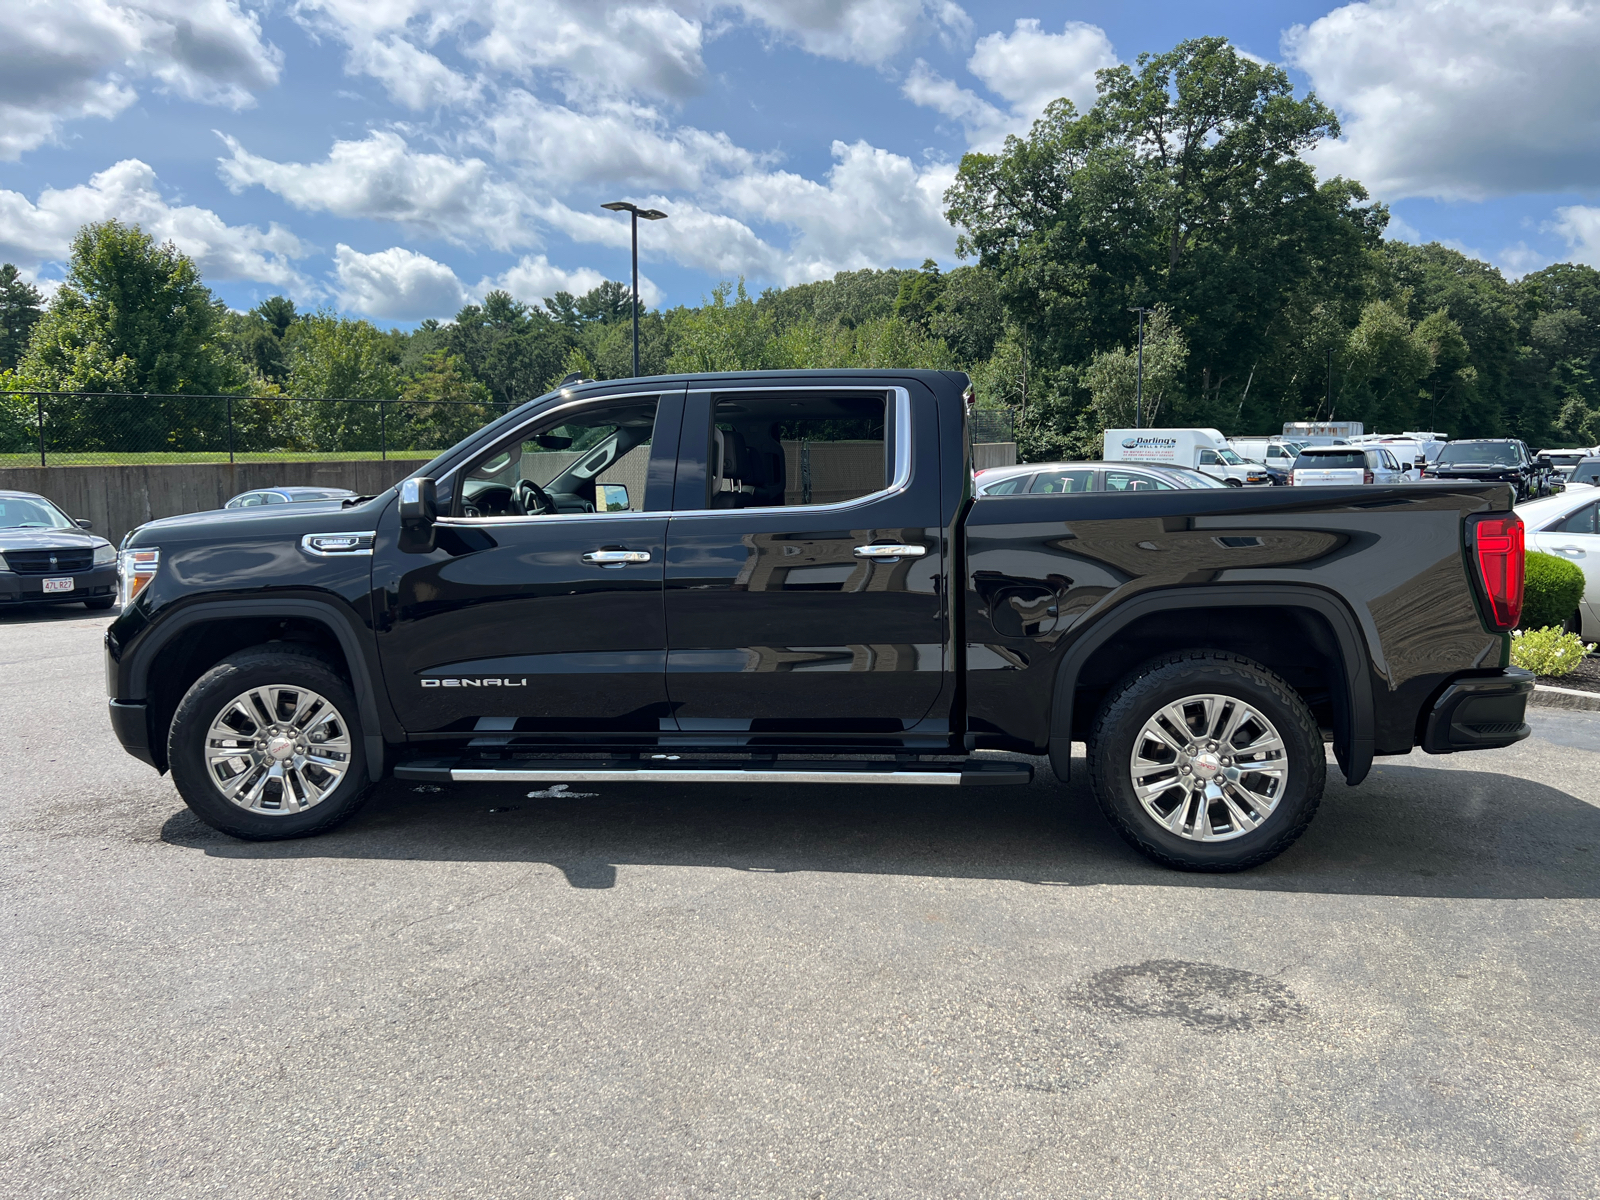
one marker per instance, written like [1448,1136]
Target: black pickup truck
[785,577]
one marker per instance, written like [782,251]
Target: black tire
[1232,483]
[1163,681]
[261,666]
[100,605]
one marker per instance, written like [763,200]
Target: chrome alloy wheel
[278,749]
[1209,768]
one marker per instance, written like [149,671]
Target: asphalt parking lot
[722,992]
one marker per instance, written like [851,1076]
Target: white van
[1271,451]
[1204,449]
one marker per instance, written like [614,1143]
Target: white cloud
[535,277]
[876,208]
[1580,225]
[34,233]
[381,178]
[1028,68]
[62,61]
[618,143]
[402,285]
[396,283]
[412,77]
[864,31]
[592,47]
[697,237]
[1458,100]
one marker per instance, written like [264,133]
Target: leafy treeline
[1184,191]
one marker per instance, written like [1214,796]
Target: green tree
[511,348]
[723,336]
[439,405]
[131,316]
[20,309]
[1184,185]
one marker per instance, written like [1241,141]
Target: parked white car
[1324,466]
[1568,526]
[1270,452]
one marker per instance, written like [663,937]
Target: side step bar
[967,774]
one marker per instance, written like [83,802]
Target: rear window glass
[1331,460]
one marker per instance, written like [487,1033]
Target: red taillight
[1497,542]
[1366,477]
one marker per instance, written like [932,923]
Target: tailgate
[1330,476]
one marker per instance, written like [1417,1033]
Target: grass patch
[103,458]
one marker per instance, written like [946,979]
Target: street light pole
[1138,385]
[649,214]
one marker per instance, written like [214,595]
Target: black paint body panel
[1004,634]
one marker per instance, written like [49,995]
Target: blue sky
[397,158]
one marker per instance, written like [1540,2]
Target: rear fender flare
[344,627]
[1354,737]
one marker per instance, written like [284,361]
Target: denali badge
[491,681]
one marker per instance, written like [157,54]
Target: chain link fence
[992,425]
[101,429]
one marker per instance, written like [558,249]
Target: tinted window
[772,450]
[1063,481]
[1331,461]
[1008,487]
[1587,471]
[250,500]
[274,498]
[1135,481]
[1209,458]
[593,460]
[1582,521]
[1479,454]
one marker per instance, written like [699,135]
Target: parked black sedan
[46,556]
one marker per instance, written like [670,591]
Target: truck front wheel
[267,745]
[1207,761]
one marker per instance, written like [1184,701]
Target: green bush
[1554,587]
[1549,651]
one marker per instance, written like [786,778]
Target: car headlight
[105,555]
[138,569]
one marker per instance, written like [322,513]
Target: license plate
[58,585]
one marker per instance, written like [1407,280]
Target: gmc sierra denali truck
[784,577]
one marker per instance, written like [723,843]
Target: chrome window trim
[899,483]
[902,458]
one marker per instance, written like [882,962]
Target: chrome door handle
[888,551]
[1573,551]
[616,558]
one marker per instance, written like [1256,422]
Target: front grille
[49,562]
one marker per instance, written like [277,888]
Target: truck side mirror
[1544,461]
[84,523]
[419,508]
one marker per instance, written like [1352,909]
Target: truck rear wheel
[1207,761]
[267,745]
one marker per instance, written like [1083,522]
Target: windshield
[19,513]
[1479,454]
[1232,459]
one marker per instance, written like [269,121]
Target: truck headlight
[138,569]
[105,555]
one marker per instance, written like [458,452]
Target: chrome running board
[654,770]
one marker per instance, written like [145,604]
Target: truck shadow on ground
[1408,831]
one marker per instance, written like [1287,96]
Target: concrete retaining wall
[993,454]
[117,499]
